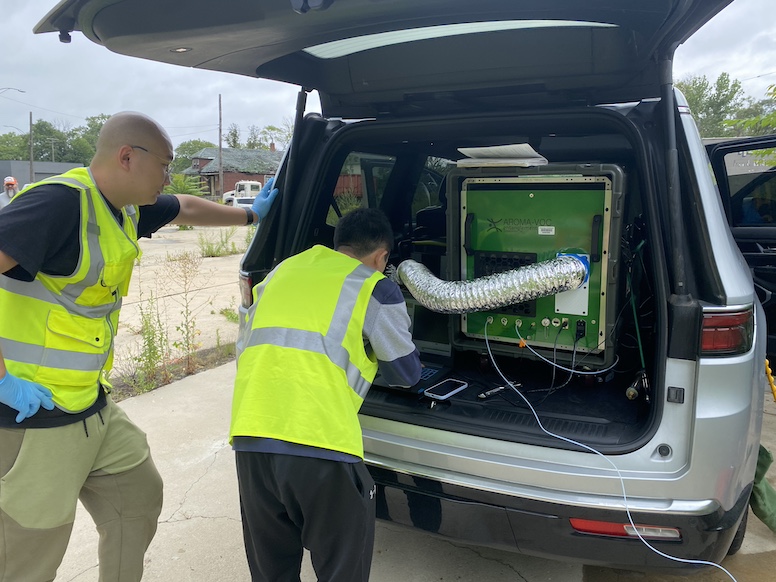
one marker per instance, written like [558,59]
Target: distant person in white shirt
[10,189]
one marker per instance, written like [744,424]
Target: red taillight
[246,290]
[727,334]
[625,530]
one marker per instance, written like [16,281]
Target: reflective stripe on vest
[331,343]
[326,373]
[58,330]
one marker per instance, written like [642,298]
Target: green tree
[55,141]
[232,137]
[181,184]
[270,134]
[713,106]
[261,138]
[82,140]
[185,151]
[48,142]
[14,146]
[79,150]
[285,134]
[254,138]
[93,127]
[759,117]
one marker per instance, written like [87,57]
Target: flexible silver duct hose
[516,286]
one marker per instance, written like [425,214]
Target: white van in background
[242,189]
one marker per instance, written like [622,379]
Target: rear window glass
[430,189]
[361,184]
[349,46]
[363,181]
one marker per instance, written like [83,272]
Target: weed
[224,350]
[218,248]
[184,268]
[150,363]
[161,355]
[230,314]
[249,233]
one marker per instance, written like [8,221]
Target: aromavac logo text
[516,224]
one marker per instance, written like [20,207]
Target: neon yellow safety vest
[304,372]
[58,330]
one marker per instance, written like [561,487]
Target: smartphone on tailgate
[445,389]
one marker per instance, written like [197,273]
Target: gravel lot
[171,279]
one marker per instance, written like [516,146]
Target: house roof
[237,160]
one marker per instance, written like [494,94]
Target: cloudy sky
[65,83]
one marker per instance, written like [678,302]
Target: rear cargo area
[584,358]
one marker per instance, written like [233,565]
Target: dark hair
[364,230]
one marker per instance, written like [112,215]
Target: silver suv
[618,413]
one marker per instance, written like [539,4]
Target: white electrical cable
[551,363]
[592,450]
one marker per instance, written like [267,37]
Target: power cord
[523,344]
[592,450]
[554,357]
[553,389]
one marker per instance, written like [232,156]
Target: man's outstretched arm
[197,211]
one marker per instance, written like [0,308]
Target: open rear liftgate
[504,218]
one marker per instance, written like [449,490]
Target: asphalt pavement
[199,537]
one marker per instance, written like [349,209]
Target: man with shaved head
[67,248]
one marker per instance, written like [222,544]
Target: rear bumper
[543,529]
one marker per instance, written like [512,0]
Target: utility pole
[220,150]
[32,171]
[52,141]
[32,168]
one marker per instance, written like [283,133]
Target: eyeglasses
[165,163]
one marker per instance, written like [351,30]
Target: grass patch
[205,359]
[230,314]
[219,244]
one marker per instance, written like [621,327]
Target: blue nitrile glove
[25,396]
[264,199]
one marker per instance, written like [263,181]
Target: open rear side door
[746,175]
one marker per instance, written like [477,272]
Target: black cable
[555,356]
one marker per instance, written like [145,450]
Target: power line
[190,126]
[196,132]
[41,108]
[210,126]
[758,76]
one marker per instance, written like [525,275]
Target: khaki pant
[104,461]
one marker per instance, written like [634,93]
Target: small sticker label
[547,231]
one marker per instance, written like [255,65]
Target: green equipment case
[505,218]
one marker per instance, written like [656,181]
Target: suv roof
[406,57]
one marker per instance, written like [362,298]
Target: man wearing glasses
[67,248]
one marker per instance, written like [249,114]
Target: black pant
[289,503]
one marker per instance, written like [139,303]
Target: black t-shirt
[40,231]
